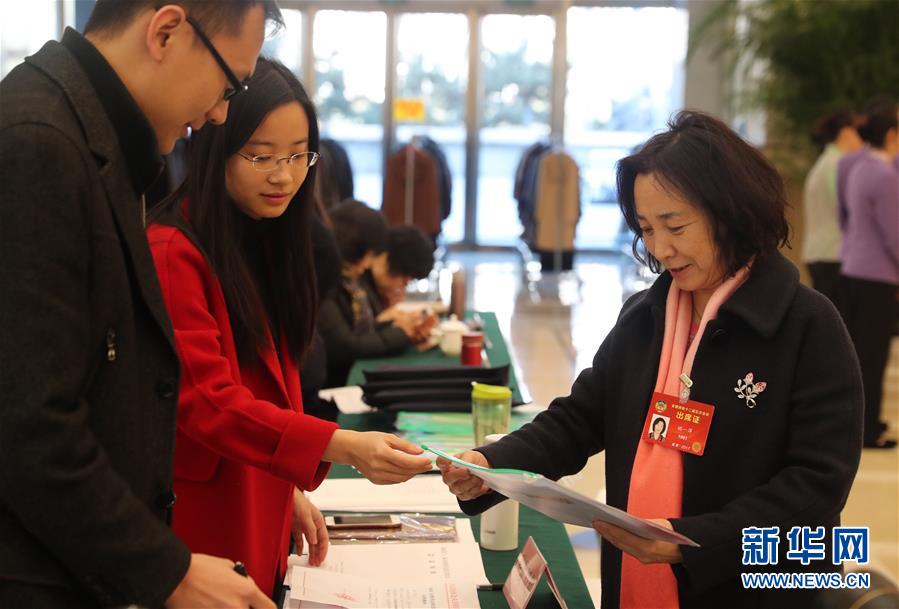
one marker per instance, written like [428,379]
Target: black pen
[489,587]
[240,568]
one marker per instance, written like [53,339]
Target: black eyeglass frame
[236,85]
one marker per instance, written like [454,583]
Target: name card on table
[529,567]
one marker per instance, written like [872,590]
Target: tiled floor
[555,325]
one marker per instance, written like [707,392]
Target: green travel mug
[491,409]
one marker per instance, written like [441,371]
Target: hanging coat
[426,205]
[525,187]
[444,176]
[558,207]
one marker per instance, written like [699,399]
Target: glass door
[432,66]
[516,69]
[287,45]
[349,92]
[621,88]
[24,28]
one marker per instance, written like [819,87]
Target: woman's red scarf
[657,477]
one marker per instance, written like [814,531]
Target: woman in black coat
[770,355]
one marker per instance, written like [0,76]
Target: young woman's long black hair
[214,221]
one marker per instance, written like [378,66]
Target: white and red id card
[529,567]
[678,424]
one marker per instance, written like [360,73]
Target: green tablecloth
[549,534]
[497,354]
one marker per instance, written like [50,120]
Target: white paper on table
[408,561]
[348,399]
[565,504]
[464,534]
[296,603]
[357,592]
[426,494]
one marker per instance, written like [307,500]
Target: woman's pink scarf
[657,477]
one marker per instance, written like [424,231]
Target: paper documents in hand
[561,503]
[404,576]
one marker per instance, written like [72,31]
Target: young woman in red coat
[232,251]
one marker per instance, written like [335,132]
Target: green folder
[497,470]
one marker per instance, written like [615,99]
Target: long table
[495,347]
[549,534]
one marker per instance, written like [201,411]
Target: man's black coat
[88,373]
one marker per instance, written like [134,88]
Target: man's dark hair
[702,160]
[359,229]
[410,253]
[880,117]
[109,16]
[218,225]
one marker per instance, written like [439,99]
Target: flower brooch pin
[748,390]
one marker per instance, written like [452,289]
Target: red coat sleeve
[214,407]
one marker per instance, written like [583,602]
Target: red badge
[676,424]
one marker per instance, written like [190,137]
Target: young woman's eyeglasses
[236,86]
[267,162]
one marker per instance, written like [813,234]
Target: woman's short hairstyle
[828,127]
[410,252]
[879,117]
[702,160]
[358,229]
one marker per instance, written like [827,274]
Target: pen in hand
[240,568]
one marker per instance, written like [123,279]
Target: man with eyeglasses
[88,373]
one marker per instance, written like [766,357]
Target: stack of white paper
[402,576]
[426,494]
[348,399]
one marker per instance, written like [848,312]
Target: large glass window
[24,28]
[625,79]
[350,56]
[287,45]
[516,68]
[432,65]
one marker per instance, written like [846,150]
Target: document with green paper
[563,504]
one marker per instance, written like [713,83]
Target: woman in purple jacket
[870,257]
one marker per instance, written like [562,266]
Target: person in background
[727,326]
[409,255]
[88,369]
[870,257]
[836,135]
[848,160]
[232,249]
[347,321]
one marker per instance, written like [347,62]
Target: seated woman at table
[232,251]
[347,321]
[728,327]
